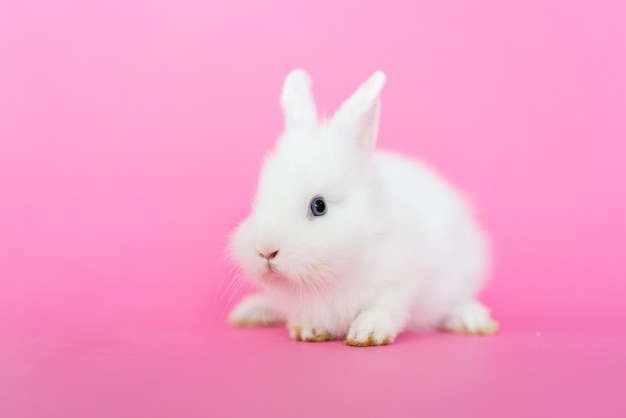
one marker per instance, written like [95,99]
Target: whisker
[240,284]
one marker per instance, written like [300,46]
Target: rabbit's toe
[308,334]
[371,329]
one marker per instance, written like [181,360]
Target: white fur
[398,247]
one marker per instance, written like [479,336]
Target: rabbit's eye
[318,206]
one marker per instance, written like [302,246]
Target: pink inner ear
[358,117]
[359,123]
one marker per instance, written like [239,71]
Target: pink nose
[269,255]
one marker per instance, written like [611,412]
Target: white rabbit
[356,244]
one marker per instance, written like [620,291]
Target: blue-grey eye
[318,206]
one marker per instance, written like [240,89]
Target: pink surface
[131,133]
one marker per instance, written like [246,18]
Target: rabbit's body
[396,247]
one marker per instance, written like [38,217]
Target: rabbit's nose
[269,255]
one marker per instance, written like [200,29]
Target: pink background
[131,133]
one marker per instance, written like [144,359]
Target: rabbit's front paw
[308,334]
[255,311]
[370,329]
[470,318]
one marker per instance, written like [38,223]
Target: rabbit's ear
[358,116]
[297,101]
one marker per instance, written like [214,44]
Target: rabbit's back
[431,231]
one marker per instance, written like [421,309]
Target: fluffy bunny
[356,244]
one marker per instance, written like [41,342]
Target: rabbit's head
[316,205]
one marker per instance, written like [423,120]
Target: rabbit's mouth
[271,273]
[271,268]
[273,278]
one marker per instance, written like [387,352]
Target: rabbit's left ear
[358,116]
[297,101]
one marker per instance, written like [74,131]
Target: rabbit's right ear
[297,101]
[358,116]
